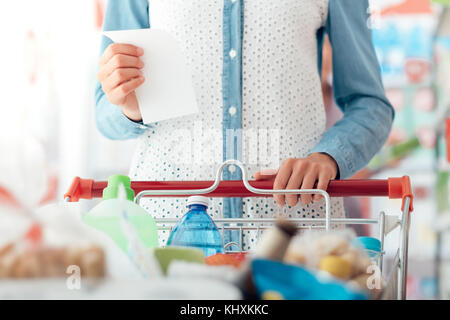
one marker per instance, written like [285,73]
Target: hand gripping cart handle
[394,188]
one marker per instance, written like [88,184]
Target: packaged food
[336,266]
[284,281]
[221,259]
[19,262]
[275,242]
[341,255]
[167,255]
[310,247]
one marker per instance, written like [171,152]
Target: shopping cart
[394,188]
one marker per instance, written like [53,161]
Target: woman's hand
[120,74]
[301,174]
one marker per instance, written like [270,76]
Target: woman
[255,67]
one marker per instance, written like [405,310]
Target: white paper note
[168,91]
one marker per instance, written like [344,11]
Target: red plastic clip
[400,188]
[79,189]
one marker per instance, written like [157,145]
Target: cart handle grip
[400,188]
[81,189]
[394,188]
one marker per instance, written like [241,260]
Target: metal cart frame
[394,188]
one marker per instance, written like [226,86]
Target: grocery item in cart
[372,246]
[167,255]
[273,246]
[276,241]
[310,248]
[184,269]
[197,229]
[107,215]
[337,267]
[297,283]
[20,261]
[226,259]
[336,254]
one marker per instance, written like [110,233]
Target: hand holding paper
[120,75]
[168,90]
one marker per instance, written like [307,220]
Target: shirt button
[232,168]
[232,110]
[233,1]
[233,53]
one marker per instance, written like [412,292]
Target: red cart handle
[394,188]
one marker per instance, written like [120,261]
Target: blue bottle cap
[367,243]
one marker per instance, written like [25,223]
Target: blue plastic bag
[297,283]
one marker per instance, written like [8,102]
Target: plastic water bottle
[197,229]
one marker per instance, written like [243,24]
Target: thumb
[266,174]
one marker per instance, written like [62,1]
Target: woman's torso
[282,106]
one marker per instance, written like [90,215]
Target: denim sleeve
[358,90]
[111,122]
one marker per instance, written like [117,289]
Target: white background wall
[57,42]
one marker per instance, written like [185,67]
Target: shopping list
[168,91]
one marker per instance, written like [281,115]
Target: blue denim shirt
[357,83]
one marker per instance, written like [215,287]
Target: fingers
[323,181]
[303,173]
[281,180]
[119,94]
[120,48]
[266,174]
[308,183]
[294,183]
[117,62]
[120,76]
